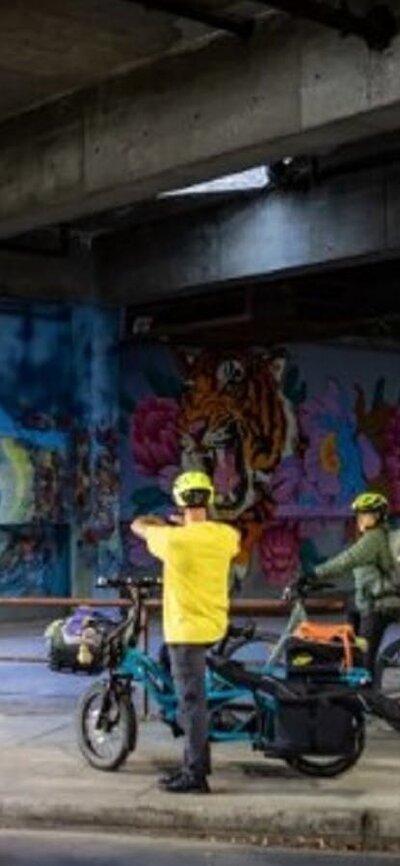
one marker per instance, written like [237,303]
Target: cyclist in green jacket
[377,599]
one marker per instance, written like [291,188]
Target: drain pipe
[378,27]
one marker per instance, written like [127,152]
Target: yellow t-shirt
[196,561]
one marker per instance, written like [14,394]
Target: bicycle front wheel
[106,726]
[387,677]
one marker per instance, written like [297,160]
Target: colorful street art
[33,560]
[59,461]
[289,440]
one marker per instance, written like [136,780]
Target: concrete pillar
[95,470]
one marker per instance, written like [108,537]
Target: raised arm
[361,553]
[140,525]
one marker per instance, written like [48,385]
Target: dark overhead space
[377,26]
[203,13]
[353,303]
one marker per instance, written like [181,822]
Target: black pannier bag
[306,658]
[317,726]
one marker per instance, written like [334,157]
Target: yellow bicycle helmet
[193,490]
[371,502]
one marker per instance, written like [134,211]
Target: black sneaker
[185,784]
[169,777]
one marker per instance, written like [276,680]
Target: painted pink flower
[155,439]
[279,554]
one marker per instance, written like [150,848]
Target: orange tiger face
[234,425]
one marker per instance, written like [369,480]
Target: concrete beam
[39,277]
[292,89]
[353,217]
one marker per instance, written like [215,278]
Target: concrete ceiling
[48,48]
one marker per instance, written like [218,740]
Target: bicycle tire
[125,719]
[389,685]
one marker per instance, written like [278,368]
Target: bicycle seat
[236,631]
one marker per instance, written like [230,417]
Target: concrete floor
[58,849]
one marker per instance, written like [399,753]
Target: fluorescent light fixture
[252,179]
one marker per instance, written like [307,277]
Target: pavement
[95,849]
[45,783]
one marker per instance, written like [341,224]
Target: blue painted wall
[59,499]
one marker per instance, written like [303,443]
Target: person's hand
[305,582]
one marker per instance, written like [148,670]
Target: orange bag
[328,633]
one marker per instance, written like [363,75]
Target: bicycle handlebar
[304,587]
[127,582]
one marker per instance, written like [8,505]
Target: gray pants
[188,665]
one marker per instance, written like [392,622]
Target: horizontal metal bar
[240,607]
[195,11]
[62,601]
[23,660]
[378,27]
[256,607]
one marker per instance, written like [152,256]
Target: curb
[368,830]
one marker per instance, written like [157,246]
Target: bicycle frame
[143,670]
[225,699]
[297,616]
[263,708]
[275,667]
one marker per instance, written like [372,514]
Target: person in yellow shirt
[196,553]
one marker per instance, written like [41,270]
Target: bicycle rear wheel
[387,677]
[335,765]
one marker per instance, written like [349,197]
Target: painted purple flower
[286,481]
[155,440]
[279,554]
[338,458]
[371,460]
[136,552]
[392,457]
[312,528]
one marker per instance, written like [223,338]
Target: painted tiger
[236,424]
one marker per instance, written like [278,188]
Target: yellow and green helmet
[193,490]
[371,502]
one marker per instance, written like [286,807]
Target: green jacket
[371,562]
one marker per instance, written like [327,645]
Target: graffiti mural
[288,440]
[32,561]
[58,444]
